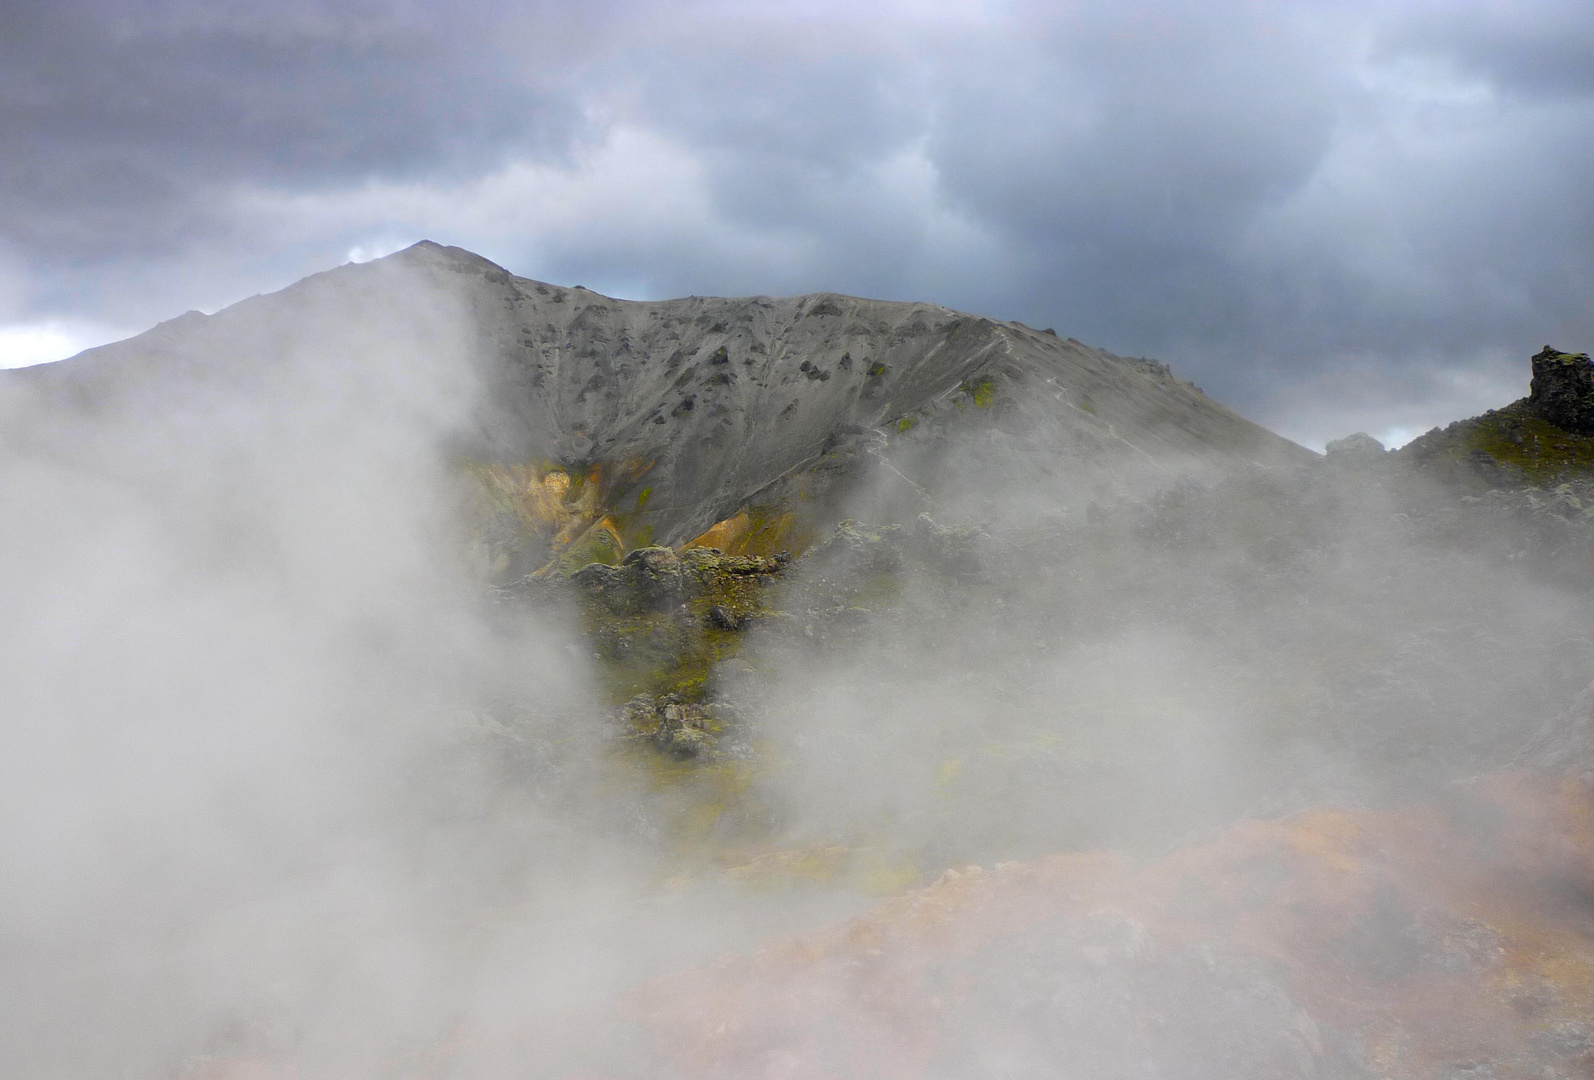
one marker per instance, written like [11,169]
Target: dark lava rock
[724,618]
[1563,390]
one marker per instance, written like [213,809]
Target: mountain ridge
[673,417]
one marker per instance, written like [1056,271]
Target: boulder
[1358,447]
[725,618]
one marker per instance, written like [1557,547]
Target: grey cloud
[124,119]
[1129,166]
[1542,49]
[1229,188]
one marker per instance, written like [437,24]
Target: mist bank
[250,793]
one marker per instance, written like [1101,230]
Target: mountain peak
[431,253]
[754,419]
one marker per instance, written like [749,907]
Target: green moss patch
[1513,438]
[661,621]
[983,392]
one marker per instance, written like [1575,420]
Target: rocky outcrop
[682,729]
[1545,439]
[1563,390]
[659,625]
[654,579]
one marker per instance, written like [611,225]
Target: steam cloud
[279,779]
[242,657]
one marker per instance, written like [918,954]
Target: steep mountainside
[610,424]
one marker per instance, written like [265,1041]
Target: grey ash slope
[710,404]
[724,401]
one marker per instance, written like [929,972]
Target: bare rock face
[1563,390]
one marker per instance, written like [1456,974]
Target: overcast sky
[1332,216]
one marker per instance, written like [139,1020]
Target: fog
[283,781]
[246,800]
[1092,669]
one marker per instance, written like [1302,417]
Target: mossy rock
[675,726]
[662,620]
[1507,447]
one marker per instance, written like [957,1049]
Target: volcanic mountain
[604,424]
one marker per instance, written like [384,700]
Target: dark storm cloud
[1148,151]
[121,119]
[1274,197]
[1541,48]
[1328,215]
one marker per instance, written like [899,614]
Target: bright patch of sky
[26,344]
[364,253]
